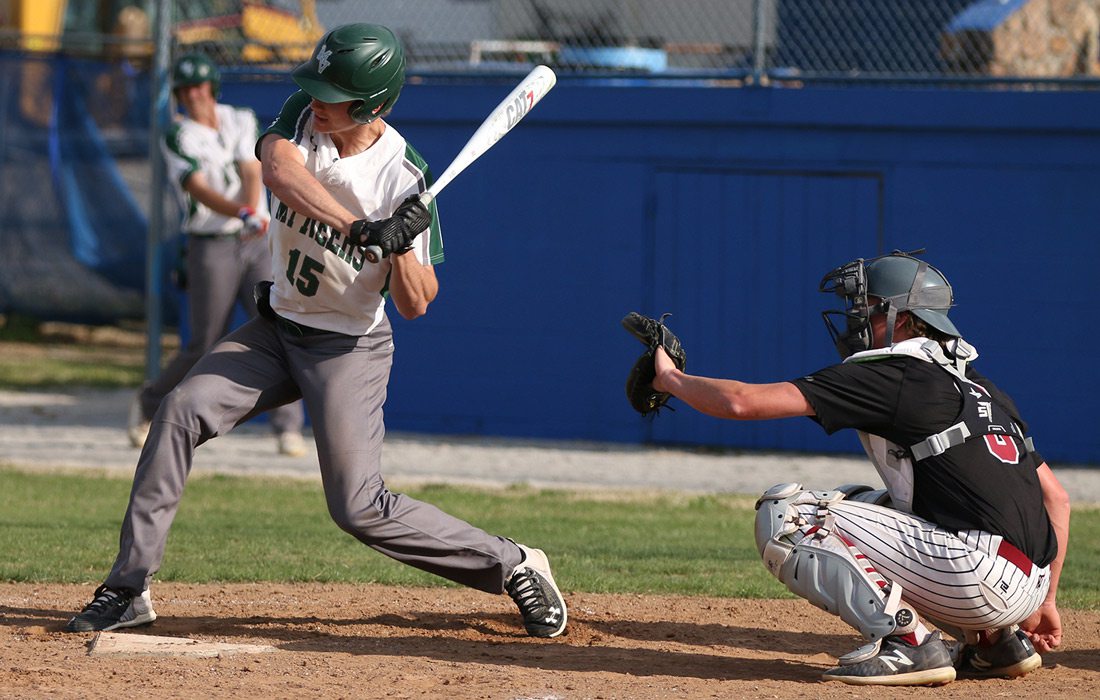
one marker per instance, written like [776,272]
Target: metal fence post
[758,49]
[158,112]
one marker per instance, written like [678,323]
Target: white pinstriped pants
[972,580]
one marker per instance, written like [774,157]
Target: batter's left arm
[1044,627]
[286,177]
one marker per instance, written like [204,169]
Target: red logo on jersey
[1003,448]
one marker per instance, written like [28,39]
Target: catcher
[969,534]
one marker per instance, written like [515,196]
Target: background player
[333,165]
[972,529]
[209,154]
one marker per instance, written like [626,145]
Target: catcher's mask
[887,284]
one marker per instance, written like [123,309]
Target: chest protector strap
[981,414]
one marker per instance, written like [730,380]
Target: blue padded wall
[725,207]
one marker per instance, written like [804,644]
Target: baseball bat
[500,121]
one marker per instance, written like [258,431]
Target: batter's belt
[262,294]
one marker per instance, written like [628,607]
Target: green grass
[64,527]
[36,355]
[49,371]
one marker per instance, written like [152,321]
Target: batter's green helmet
[194,69]
[361,62]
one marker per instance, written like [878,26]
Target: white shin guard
[795,536]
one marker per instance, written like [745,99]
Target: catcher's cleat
[137,426]
[532,587]
[292,444]
[1012,655]
[111,609]
[900,663]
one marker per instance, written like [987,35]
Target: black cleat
[112,608]
[1010,656]
[533,589]
[900,663]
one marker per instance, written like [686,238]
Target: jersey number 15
[304,278]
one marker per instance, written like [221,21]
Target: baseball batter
[341,179]
[209,156]
[971,531]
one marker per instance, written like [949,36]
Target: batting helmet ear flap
[359,111]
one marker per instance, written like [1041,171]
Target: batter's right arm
[413,285]
[285,175]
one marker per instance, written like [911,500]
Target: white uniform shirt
[321,280]
[190,147]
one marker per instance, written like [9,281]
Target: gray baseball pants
[343,381]
[222,271]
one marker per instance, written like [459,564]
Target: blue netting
[72,234]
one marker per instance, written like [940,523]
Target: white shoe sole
[1022,668]
[932,676]
[139,613]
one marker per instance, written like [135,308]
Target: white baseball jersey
[190,147]
[321,279]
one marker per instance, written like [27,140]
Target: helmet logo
[323,54]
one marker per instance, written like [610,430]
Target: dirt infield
[343,641]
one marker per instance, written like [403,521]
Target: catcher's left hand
[652,333]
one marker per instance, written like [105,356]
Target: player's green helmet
[360,62]
[902,282]
[195,69]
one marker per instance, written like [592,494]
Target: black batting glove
[415,214]
[395,234]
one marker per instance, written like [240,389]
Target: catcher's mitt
[653,333]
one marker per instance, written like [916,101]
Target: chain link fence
[975,41]
[752,40]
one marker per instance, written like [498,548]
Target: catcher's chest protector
[984,429]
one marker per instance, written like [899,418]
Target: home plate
[114,644]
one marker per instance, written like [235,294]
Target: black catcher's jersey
[973,486]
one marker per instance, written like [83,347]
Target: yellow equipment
[245,31]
